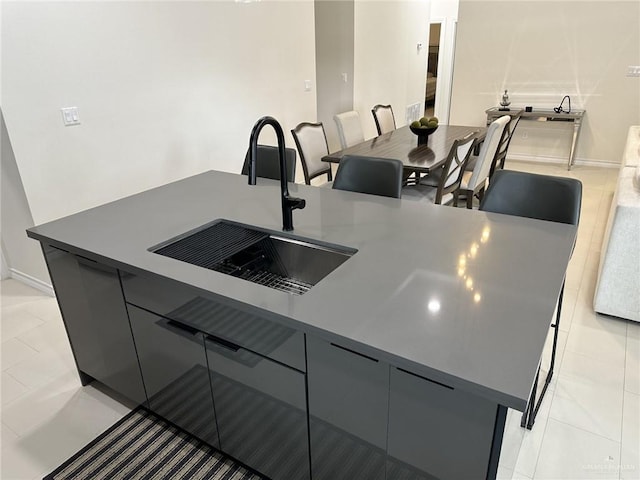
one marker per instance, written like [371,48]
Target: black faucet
[288,203]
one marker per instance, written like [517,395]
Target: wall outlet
[633,71]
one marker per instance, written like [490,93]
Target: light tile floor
[588,426]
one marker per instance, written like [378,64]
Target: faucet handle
[295,203]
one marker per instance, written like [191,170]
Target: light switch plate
[633,71]
[70,116]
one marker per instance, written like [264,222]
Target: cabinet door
[436,431]
[174,368]
[261,410]
[95,317]
[187,305]
[348,410]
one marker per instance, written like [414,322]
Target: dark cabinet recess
[432,426]
[348,409]
[95,317]
[174,368]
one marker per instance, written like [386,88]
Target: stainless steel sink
[283,262]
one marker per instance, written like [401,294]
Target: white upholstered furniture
[349,128]
[383,116]
[311,142]
[444,190]
[618,286]
[475,181]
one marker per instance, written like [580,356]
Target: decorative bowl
[423,133]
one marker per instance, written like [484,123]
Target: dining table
[402,144]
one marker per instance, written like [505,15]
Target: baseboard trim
[518,157]
[32,281]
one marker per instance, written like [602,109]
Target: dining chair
[349,128]
[268,163]
[383,116]
[372,175]
[449,177]
[474,181]
[543,197]
[505,141]
[311,142]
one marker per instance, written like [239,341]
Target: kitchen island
[402,360]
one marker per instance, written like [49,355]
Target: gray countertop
[463,297]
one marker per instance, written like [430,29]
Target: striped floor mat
[142,446]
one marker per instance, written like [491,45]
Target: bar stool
[543,197]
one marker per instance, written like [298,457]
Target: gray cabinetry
[348,408]
[234,378]
[95,317]
[214,315]
[261,410]
[433,426]
[174,368]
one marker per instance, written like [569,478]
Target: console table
[545,115]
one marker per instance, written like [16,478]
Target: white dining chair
[383,116]
[311,142]
[445,187]
[349,128]
[501,153]
[475,181]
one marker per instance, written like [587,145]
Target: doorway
[440,57]
[432,69]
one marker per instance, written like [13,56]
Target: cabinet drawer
[174,369]
[433,426]
[348,407]
[96,321]
[260,409]
[185,304]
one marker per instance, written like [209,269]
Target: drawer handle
[223,343]
[354,352]
[425,378]
[182,327]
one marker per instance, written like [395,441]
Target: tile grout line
[584,430]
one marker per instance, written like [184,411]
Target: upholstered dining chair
[375,176]
[349,128]
[383,116]
[445,189]
[543,197]
[311,142]
[505,141]
[474,181]
[268,163]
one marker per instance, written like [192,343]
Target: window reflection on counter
[463,270]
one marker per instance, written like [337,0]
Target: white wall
[388,67]
[164,89]
[334,58]
[541,51]
[21,257]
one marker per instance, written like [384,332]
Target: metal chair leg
[529,416]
